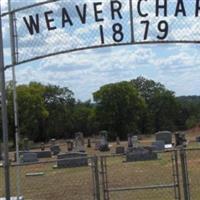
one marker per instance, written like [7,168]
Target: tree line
[139,106]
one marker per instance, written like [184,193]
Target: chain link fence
[144,180]
[193,166]
[173,176]
[51,180]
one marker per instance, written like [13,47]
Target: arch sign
[59,26]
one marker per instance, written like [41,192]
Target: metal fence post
[186,188]
[96,176]
[4,115]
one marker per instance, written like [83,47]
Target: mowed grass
[77,183]
[71,183]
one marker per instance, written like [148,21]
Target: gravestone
[120,150]
[70,145]
[26,144]
[165,136]
[72,159]
[89,143]
[130,140]
[97,142]
[135,142]
[180,139]
[118,140]
[104,141]
[43,154]
[55,149]
[29,157]
[52,142]
[158,145]
[42,146]
[141,154]
[79,144]
[198,139]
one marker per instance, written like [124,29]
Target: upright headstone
[89,143]
[79,145]
[165,136]
[117,140]
[72,159]
[42,146]
[26,146]
[70,145]
[55,149]
[52,142]
[135,142]
[198,139]
[130,141]
[180,139]
[104,141]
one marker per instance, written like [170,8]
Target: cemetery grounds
[78,183]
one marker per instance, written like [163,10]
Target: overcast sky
[175,66]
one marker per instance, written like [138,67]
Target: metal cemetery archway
[78,25]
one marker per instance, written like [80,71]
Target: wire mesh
[141,180]
[65,26]
[193,161]
[45,181]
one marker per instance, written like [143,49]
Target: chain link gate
[168,187]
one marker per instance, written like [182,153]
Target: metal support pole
[4,116]
[184,168]
[15,107]
[97,184]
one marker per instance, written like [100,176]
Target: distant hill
[189,99]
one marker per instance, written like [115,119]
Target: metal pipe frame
[142,188]
[103,46]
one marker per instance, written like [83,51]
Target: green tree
[119,107]
[162,108]
[60,104]
[84,118]
[32,111]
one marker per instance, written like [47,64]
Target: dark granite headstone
[198,139]
[117,140]
[89,143]
[120,150]
[104,141]
[55,149]
[165,136]
[70,145]
[29,157]
[158,145]
[42,146]
[73,159]
[43,154]
[130,141]
[141,154]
